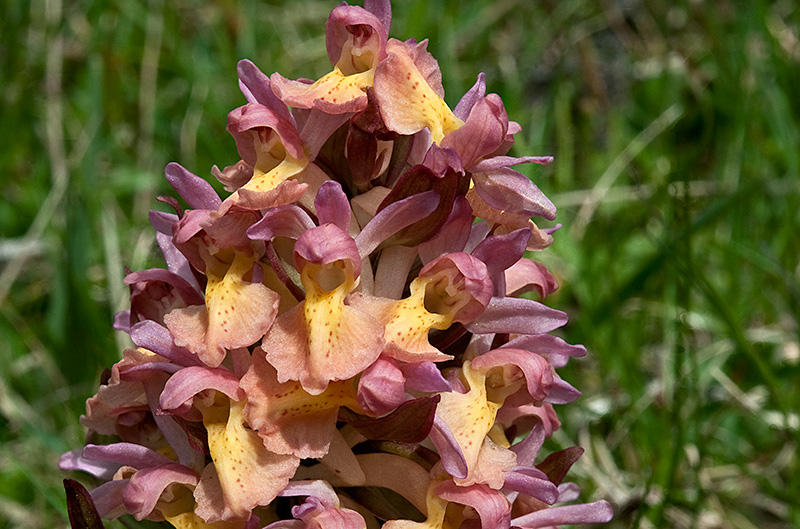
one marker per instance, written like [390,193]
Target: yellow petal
[335,341]
[289,419]
[264,181]
[470,416]
[408,104]
[333,93]
[407,323]
[249,474]
[239,312]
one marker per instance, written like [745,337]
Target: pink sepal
[190,381]
[108,500]
[517,315]
[395,217]
[146,487]
[332,206]
[381,387]
[597,512]
[125,454]
[472,96]
[449,450]
[491,505]
[256,117]
[282,221]
[256,88]
[536,369]
[350,23]
[526,275]
[197,192]
[510,191]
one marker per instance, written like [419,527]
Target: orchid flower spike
[353,335]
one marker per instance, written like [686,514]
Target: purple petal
[395,217]
[478,232]
[108,500]
[562,392]
[492,506]
[483,132]
[122,321]
[257,116]
[499,162]
[452,236]
[197,192]
[526,481]
[190,453]
[468,279]
[528,448]
[318,127]
[186,291]
[332,205]
[318,489]
[597,512]
[324,245]
[176,261]
[340,23]
[127,454]
[190,381]
[282,221]
[509,190]
[500,252]
[73,460]
[153,337]
[424,376]
[144,371]
[256,88]
[146,487]
[526,275]
[162,221]
[441,159]
[452,457]
[418,180]
[382,9]
[519,316]
[190,224]
[546,344]
[536,368]
[568,492]
[473,95]
[381,387]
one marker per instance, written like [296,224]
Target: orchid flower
[356,43]
[345,339]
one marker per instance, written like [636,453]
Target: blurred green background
[676,132]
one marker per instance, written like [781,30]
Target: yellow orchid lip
[408,103]
[246,473]
[237,312]
[289,419]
